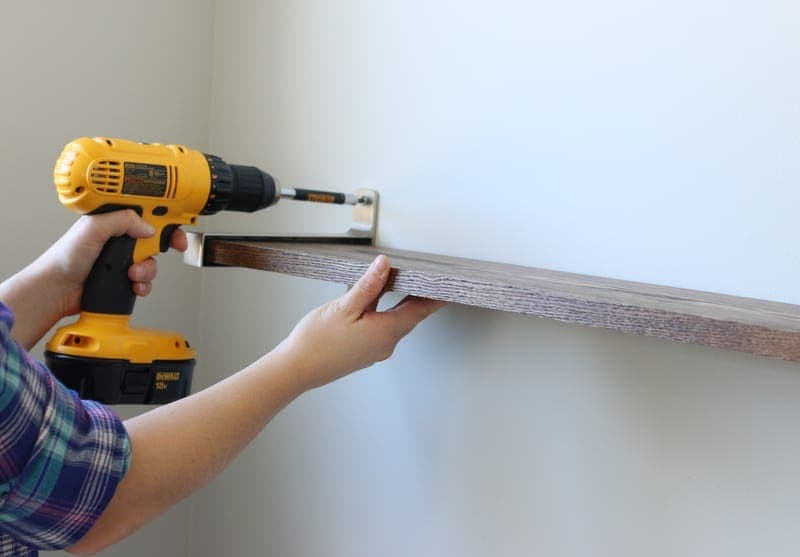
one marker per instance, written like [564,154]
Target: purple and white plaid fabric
[61,458]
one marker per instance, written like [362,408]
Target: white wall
[648,141]
[129,69]
[652,141]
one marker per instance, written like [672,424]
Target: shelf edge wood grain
[730,322]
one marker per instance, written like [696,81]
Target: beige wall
[651,141]
[130,69]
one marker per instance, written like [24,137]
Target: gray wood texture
[721,321]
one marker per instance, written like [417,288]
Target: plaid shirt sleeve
[61,458]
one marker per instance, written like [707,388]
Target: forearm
[180,447]
[31,295]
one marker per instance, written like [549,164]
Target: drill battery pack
[111,381]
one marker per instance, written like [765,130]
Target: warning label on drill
[145,179]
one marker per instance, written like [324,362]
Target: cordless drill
[100,355]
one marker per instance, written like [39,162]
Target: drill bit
[337,198]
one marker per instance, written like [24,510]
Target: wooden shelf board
[718,320]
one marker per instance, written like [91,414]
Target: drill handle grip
[108,289]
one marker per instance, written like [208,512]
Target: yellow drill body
[170,183]
[169,186]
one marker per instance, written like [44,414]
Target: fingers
[178,240]
[103,227]
[118,223]
[142,274]
[410,311]
[144,271]
[142,288]
[367,290]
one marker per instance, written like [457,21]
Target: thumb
[369,287]
[117,223]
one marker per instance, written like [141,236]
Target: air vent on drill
[106,176]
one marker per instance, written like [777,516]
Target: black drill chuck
[238,188]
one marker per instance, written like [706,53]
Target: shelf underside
[721,321]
